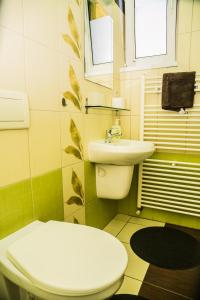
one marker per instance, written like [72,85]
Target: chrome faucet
[110,135]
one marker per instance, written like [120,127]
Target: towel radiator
[170,185]
[169,130]
[163,184]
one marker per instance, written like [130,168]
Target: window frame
[156,61]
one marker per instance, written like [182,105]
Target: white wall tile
[42,76]
[185,10]
[195,50]
[41,21]
[14,156]
[196,16]
[12,75]
[11,15]
[44,142]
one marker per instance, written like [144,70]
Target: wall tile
[14,156]
[16,207]
[41,21]
[78,217]
[47,196]
[11,15]
[185,9]
[183,51]
[44,142]
[70,74]
[135,127]
[42,76]
[195,50]
[74,52]
[76,154]
[125,123]
[73,186]
[196,14]
[95,128]
[131,91]
[12,75]
[99,212]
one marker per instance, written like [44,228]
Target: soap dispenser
[116,130]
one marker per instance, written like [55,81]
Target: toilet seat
[84,260]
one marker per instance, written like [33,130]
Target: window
[150,33]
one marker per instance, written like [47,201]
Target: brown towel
[178,90]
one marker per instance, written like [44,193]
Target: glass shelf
[104,107]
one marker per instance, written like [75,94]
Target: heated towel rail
[170,185]
[164,184]
[169,130]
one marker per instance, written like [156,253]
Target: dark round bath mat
[127,297]
[166,247]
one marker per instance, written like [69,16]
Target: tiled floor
[148,280]
[123,226]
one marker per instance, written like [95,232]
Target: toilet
[61,261]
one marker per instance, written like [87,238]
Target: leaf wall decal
[74,82]
[73,28]
[76,138]
[74,47]
[68,95]
[74,200]
[76,221]
[77,185]
[74,151]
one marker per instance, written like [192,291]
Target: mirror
[99,39]
[118,41]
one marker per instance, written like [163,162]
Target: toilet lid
[69,259]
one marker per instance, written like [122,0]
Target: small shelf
[104,107]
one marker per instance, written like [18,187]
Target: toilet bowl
[62,261]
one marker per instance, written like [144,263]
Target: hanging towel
[178,90]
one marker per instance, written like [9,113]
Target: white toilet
[60,261]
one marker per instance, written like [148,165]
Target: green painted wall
[39,198]
[98,212]
[129,205]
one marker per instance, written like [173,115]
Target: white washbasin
[122,153]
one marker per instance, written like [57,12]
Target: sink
[122,153]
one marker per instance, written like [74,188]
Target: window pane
[101,30]
[150,27]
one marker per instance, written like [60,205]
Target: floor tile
[122,217]
[145,222]
[127,232]
[130,286]
[114,227]
[156,293]
[137,267]
[181,282]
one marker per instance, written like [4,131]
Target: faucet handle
[109,132]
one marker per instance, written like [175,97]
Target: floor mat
[166,247]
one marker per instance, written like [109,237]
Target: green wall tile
[48,197]
[90,181]
[98,212]
[16,207]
